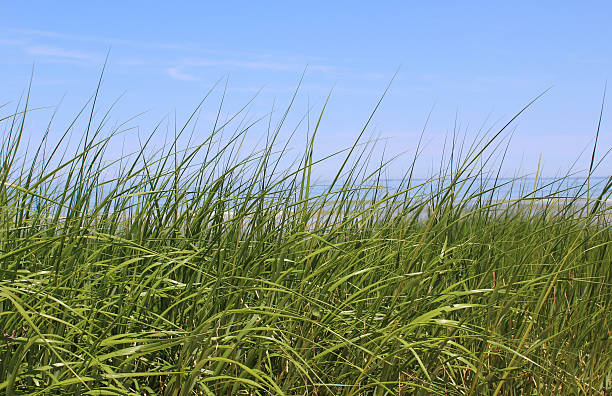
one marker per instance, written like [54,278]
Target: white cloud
[56,52]
[251,65]
[177,74]
[194,55]
[260,65]
[106,41]
[5,41]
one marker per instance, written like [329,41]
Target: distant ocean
[502,188]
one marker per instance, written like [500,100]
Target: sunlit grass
[216,269]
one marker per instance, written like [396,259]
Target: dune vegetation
[213,268]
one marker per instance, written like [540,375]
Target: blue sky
[474,63]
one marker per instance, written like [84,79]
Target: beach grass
[210,268]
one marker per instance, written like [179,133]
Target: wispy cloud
[10,41]
[193,48]
[595,61]
[184,70]
[177,74]
[257,65]
[191,56]
[251,65]
[55,52]
[106,41]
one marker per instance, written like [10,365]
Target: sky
[470,64]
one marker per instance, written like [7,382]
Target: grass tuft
[206,268]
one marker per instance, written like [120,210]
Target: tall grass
[211,268]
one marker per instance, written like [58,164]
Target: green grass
[215,269]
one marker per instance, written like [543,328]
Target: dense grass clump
[212,269]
